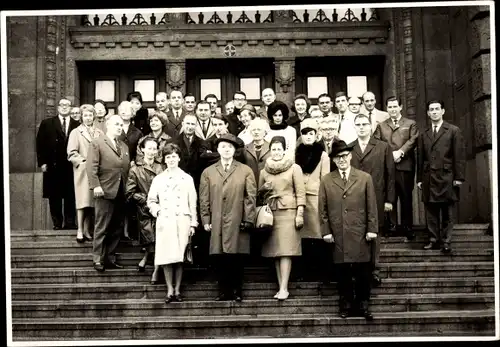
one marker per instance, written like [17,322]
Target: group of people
[185,174]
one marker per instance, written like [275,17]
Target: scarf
[281,126]
[276,167]
[308,156]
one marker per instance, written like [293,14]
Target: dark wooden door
[332,73]
[113,80]
[223,77]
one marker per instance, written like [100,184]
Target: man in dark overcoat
[375,157]
[440,172]
[235,126]
[349,221]
[176,113]
[227,204]
[58,186]
[401,134]
[108,163]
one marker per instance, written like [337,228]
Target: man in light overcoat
[440,172]
[227,207]
[349,222]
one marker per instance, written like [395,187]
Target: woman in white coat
[78,145]
[172,200]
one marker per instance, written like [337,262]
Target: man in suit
[108,163]
[227,204]
[375,157]
[329,133]
[189,103]
[204,128]
[347,133]
[401,134]
[235,125]
[343,194]
[51,143]
[268,96]
[191,148]
[376,116]
[440,172]
[176,113]
[325,104]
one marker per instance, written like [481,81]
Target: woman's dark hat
[278,139]
[340,146]
[235,141]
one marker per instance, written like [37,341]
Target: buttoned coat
[131,138]
[78,146]
[348,213]
[403,137]
[210,155]
[172,197]
[377,160]
[226,200]
[105,167]
[257,165]
[51,149]
[440,162]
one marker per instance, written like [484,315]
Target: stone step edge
[292,284]
[393,297]
[401,317]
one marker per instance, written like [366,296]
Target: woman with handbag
[172,199]
[315,163]
[285,181]
[139,181]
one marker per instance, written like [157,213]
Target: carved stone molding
[410,81]
[176,75]
[285,73]
[51,67]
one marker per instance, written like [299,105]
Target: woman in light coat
[172,200]
[78,145]
[247,114]
[315,163]
[285,183]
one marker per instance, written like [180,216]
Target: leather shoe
[178,297]
[446,249]
[368,315]
[141,269]
[344,314]
[430,245]
[169,299]
[88,237]
[99,267]
[376,281]
[410,235]
[82,240]
[113,265]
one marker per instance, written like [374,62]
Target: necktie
[205,127]
[329,147]
[344,177]
[64,126]
[396,123]
[362,146]
[435,131]
[226,167]
[118,150]
[370,116]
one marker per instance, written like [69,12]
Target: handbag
[264,217]
[188,253]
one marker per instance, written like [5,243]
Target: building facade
[414,53]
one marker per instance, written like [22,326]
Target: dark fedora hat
[340,146]
[235,141]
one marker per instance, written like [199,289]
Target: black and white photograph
[250,174]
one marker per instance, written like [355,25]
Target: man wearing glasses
[51,144]
[349,223]
[235,125]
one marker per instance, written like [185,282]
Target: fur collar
[276,167]
[308,156]
[281,126]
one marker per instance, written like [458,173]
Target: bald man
[107,167]
[268,96]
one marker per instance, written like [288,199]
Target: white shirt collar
[361,143]
[125,127]
[112,139]
[225,162]
[438,125]
[398,118]
[347,172]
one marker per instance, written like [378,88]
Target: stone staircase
[57,295]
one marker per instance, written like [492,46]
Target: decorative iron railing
[231,17]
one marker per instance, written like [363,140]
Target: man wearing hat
[349,222]
[227,207]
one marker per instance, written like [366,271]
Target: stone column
[176,75]
[479,17]
[285,79]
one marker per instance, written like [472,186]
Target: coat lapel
[251,150]
[108,142]
[85,133]
[370,145]
[337,179]
[58,126]
[351,179]
[441,131]
[219,168]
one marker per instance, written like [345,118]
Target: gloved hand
[246,226]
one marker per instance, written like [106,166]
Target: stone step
[132,259]
[308,305]
[392,270]
[208,290]
[439,323]
[71,246]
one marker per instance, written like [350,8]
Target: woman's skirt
[285,239]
